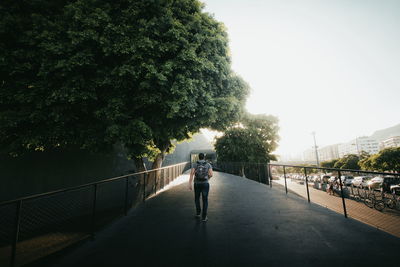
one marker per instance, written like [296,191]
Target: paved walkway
[388,220]
[249,224]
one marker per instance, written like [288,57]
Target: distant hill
[386,133]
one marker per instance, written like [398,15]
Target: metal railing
[375,204]
[36,226]
[345,190]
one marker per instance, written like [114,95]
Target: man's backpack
[201,171]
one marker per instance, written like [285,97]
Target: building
[358,145]
[355,146]
[328,152]
[347,148]
[393,141]
[309,155]
[325,153]
[368,145]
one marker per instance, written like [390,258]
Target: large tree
[329,163]
[253,140]
[93,73]
[348,162]
[368,164]
[387,159]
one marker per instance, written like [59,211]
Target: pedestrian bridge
[250,224]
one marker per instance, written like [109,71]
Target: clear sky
[329,66]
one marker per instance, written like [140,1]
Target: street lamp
[316,149]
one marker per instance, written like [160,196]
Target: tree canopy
[348,162]
[253,140]
[93,73]
[387,159]
[329,163]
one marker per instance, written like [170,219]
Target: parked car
[317,179]
[325,178]
[347,180]
[361,181]
[314,178]
[395,189]
[332,179]
[375,183]
[388,181]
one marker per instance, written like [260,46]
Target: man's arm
[210,173]
[191,178]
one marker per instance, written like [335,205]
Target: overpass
[250,224]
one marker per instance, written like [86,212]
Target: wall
[40,172]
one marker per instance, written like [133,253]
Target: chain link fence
[36,226]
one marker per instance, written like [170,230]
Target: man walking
[201,172]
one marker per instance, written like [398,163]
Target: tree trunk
[242,171]
[160,156]
[140,166]
[155,176]
[158,160]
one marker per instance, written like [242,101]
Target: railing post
[342,194]
[155,182]
[270,175]
[144,186]
[16,233]
[163,178]
[126,195]
[258,172]
[284,175]
[93,226]
[308,192]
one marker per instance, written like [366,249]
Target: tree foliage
[348,162]
[329,163]
[386,160]
[93,73]
[297,170]
[251,141]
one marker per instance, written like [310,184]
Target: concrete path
[249,224]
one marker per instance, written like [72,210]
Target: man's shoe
[197,216]
[205,219]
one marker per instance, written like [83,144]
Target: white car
[395,189]
[360,181]
[347,180]
[375,183]
[325,178]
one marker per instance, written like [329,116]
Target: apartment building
[309,155]
[393,141]
[328,152]
[358,145]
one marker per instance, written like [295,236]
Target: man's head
[201,156]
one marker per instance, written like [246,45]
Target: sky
[329,66]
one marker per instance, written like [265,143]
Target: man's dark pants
[201,189]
